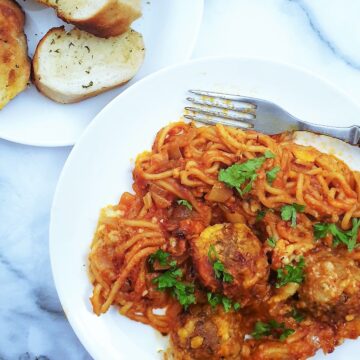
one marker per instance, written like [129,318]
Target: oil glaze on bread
[14,61]
[71,66]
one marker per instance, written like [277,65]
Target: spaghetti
[225,220]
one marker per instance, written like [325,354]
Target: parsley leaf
[184,293]
[353,233]
[238,174]
[295,314]
[269,155]
[260,215]
[185,203]
[237,306]
[261,329]
[217,299]
[273,328]
[288,212]
[161,256]
[285,333]
[271,174]
[271,241]
[348,238]
[218,266]
[321,230]
[291,273]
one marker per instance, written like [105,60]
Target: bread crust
[113,19]
[53,94]
[14,61]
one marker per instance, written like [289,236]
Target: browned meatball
[241,254]
[331,290]
[206,333]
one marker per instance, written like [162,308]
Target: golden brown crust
[332,286]
[113,19]
[241,253]
[14,61]
[205,333]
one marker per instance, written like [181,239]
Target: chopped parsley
[291,274]
[217,299]
[272,328]
[237,306]
[185,203]
[298,316]
[162,258]
[271,174]
[218,266]
[239,174]
[91,83]
[269,155]
[288,212]
[260,215]
[271,241]
[170,279]
[181,291]
[348,238]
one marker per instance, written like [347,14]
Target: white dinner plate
[170,30]
[99,169]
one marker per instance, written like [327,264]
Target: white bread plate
[31,118]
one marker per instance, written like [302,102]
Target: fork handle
[349,134]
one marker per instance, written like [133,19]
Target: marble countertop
[322,36]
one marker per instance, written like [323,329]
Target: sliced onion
[219,193]
[160,201]
[235,218]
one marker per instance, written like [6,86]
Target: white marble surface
[322,36]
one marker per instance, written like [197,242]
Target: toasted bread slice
[70,67]
[14,61]
[102,18]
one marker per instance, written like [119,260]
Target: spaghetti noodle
[225,220]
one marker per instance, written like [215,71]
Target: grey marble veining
[32,323]
[322,36]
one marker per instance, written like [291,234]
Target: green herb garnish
[170,279]
[260,215]
[160,256]
[272,328]
[295,314]
[217,299]
[239,174]
[181,291]
[291,273]
[348,238]
[218,266]
[288,212]
[271,241]
[185,203]
[271,174]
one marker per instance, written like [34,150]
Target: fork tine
[244,108]
[214,120]
[243,117]
[218,95]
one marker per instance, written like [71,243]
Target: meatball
[331,289]
[205,333]
[242,257]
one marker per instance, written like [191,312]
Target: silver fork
[257,114]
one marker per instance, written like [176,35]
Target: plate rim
[59,144]
[90,347]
